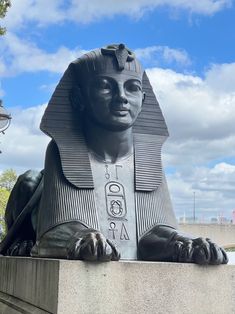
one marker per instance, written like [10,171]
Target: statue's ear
[76,98]
[143,97]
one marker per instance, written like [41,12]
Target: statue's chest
[114,196]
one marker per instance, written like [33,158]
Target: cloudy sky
[188,49]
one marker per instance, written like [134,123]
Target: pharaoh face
[114,101]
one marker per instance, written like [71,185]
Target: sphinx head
[108,87]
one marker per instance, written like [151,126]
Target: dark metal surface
[149,131]
[150,119]
[61,124]
[11,234]
[148,163]
[5,118]
[105,191]
[65,128]
[65,201]
[155,208]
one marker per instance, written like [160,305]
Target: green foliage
[4,195]
[231,249]
[4,5]
[8,179]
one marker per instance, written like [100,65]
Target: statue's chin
[116,126]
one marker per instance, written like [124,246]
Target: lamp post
[5,118]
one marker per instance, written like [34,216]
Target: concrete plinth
[58,286]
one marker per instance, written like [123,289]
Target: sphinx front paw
[92,246]
[200,251]
[208,252]
[20,248]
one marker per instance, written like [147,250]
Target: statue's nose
[121,96]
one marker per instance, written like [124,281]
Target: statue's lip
[120,112]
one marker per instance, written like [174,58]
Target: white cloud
[213,188]
[42,12]
[221,77]
[22,56]
[163,54]
[200,115]
[45,12]
[23,145]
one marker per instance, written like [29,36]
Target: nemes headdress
[107,60]
[65,127]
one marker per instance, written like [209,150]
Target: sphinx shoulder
[22,192]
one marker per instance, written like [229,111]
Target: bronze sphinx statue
[103,192]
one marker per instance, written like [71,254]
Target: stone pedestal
[39,286]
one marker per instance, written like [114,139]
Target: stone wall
[223,235]
[58,286]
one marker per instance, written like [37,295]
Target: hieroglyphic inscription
[116,170]
[115,199]
[108,173]
[116,204]
[121,233]
[112,230]
[114,192]
[124,234]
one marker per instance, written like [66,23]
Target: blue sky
[188,49]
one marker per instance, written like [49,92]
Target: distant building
[214,220]
[223,220]
[190,220]
[233,217]
[206,220]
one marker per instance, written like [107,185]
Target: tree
[4,195]
[8,179]
[4,5]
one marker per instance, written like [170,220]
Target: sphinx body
[105,193]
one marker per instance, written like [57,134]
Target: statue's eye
[133,86]
[103,86]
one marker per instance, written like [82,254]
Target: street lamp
[5,118]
